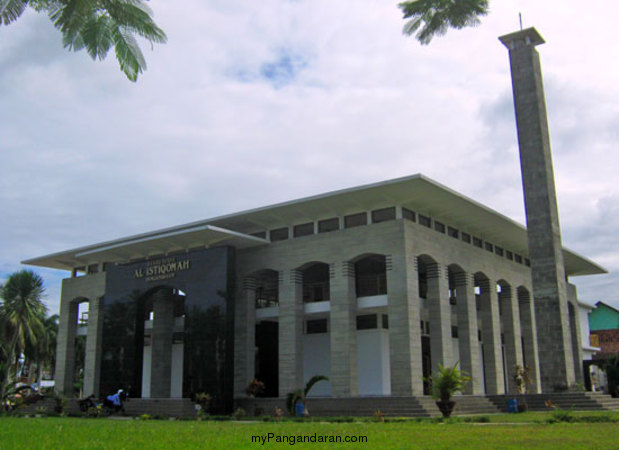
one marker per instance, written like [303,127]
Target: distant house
[604,325]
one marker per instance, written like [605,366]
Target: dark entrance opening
[426,361]
[267,357]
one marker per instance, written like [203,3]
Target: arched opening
[82,306]
[529,337]
[371,276]
[424,262]
[316,283]
[481,285]
[508,347]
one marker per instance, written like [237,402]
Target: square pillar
[65,347]
[343,332]
[163,327]
[290,332]
[92,364]
[404,333]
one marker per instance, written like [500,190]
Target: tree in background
[96,25]
[429,18]
[21,316]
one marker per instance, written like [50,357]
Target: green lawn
[527,431]
[75,433]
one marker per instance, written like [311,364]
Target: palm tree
[437,16]
[21,313]
[96,25]
[42,352]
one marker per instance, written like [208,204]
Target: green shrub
[561,415]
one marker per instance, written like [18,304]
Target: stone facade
[376,300]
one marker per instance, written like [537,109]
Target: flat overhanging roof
[416,192]
[145,245]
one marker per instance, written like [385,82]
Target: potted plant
[445,384]
[254,388]
[295,401]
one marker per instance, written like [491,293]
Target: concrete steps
[578,401]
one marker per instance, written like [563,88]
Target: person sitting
[115,401]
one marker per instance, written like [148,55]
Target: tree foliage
[429,18]
[22,316]
[96,26]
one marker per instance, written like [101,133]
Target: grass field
[527,432]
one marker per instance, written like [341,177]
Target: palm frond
[128,53]
[11,10]
[312,381]
[437,16]
[136,17]
[97,37]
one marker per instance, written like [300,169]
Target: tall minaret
[544,235]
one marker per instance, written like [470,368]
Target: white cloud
[88,156]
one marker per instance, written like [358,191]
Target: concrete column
[343,332]
[404,333]
[468,342]
[512,337]
[491,337]
[163,327]
[543,230]
[440,317]
[244,336]
[575,333]
[290,332]
[529,339]
[65,346]
[92,364]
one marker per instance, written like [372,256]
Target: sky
[253,103]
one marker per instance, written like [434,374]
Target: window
[409,215]
[509,255]
[489,247]
[440,227]
[385,321]
[454,331]
[477,242]
[367,322]
[355,220]
[383,215]
[453,232]
[304,229]
[371,276]
[316,326]
[527,262]
[324,226]
[425,221]
[280,234]
[518,259]
[498,250]
[466,238]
